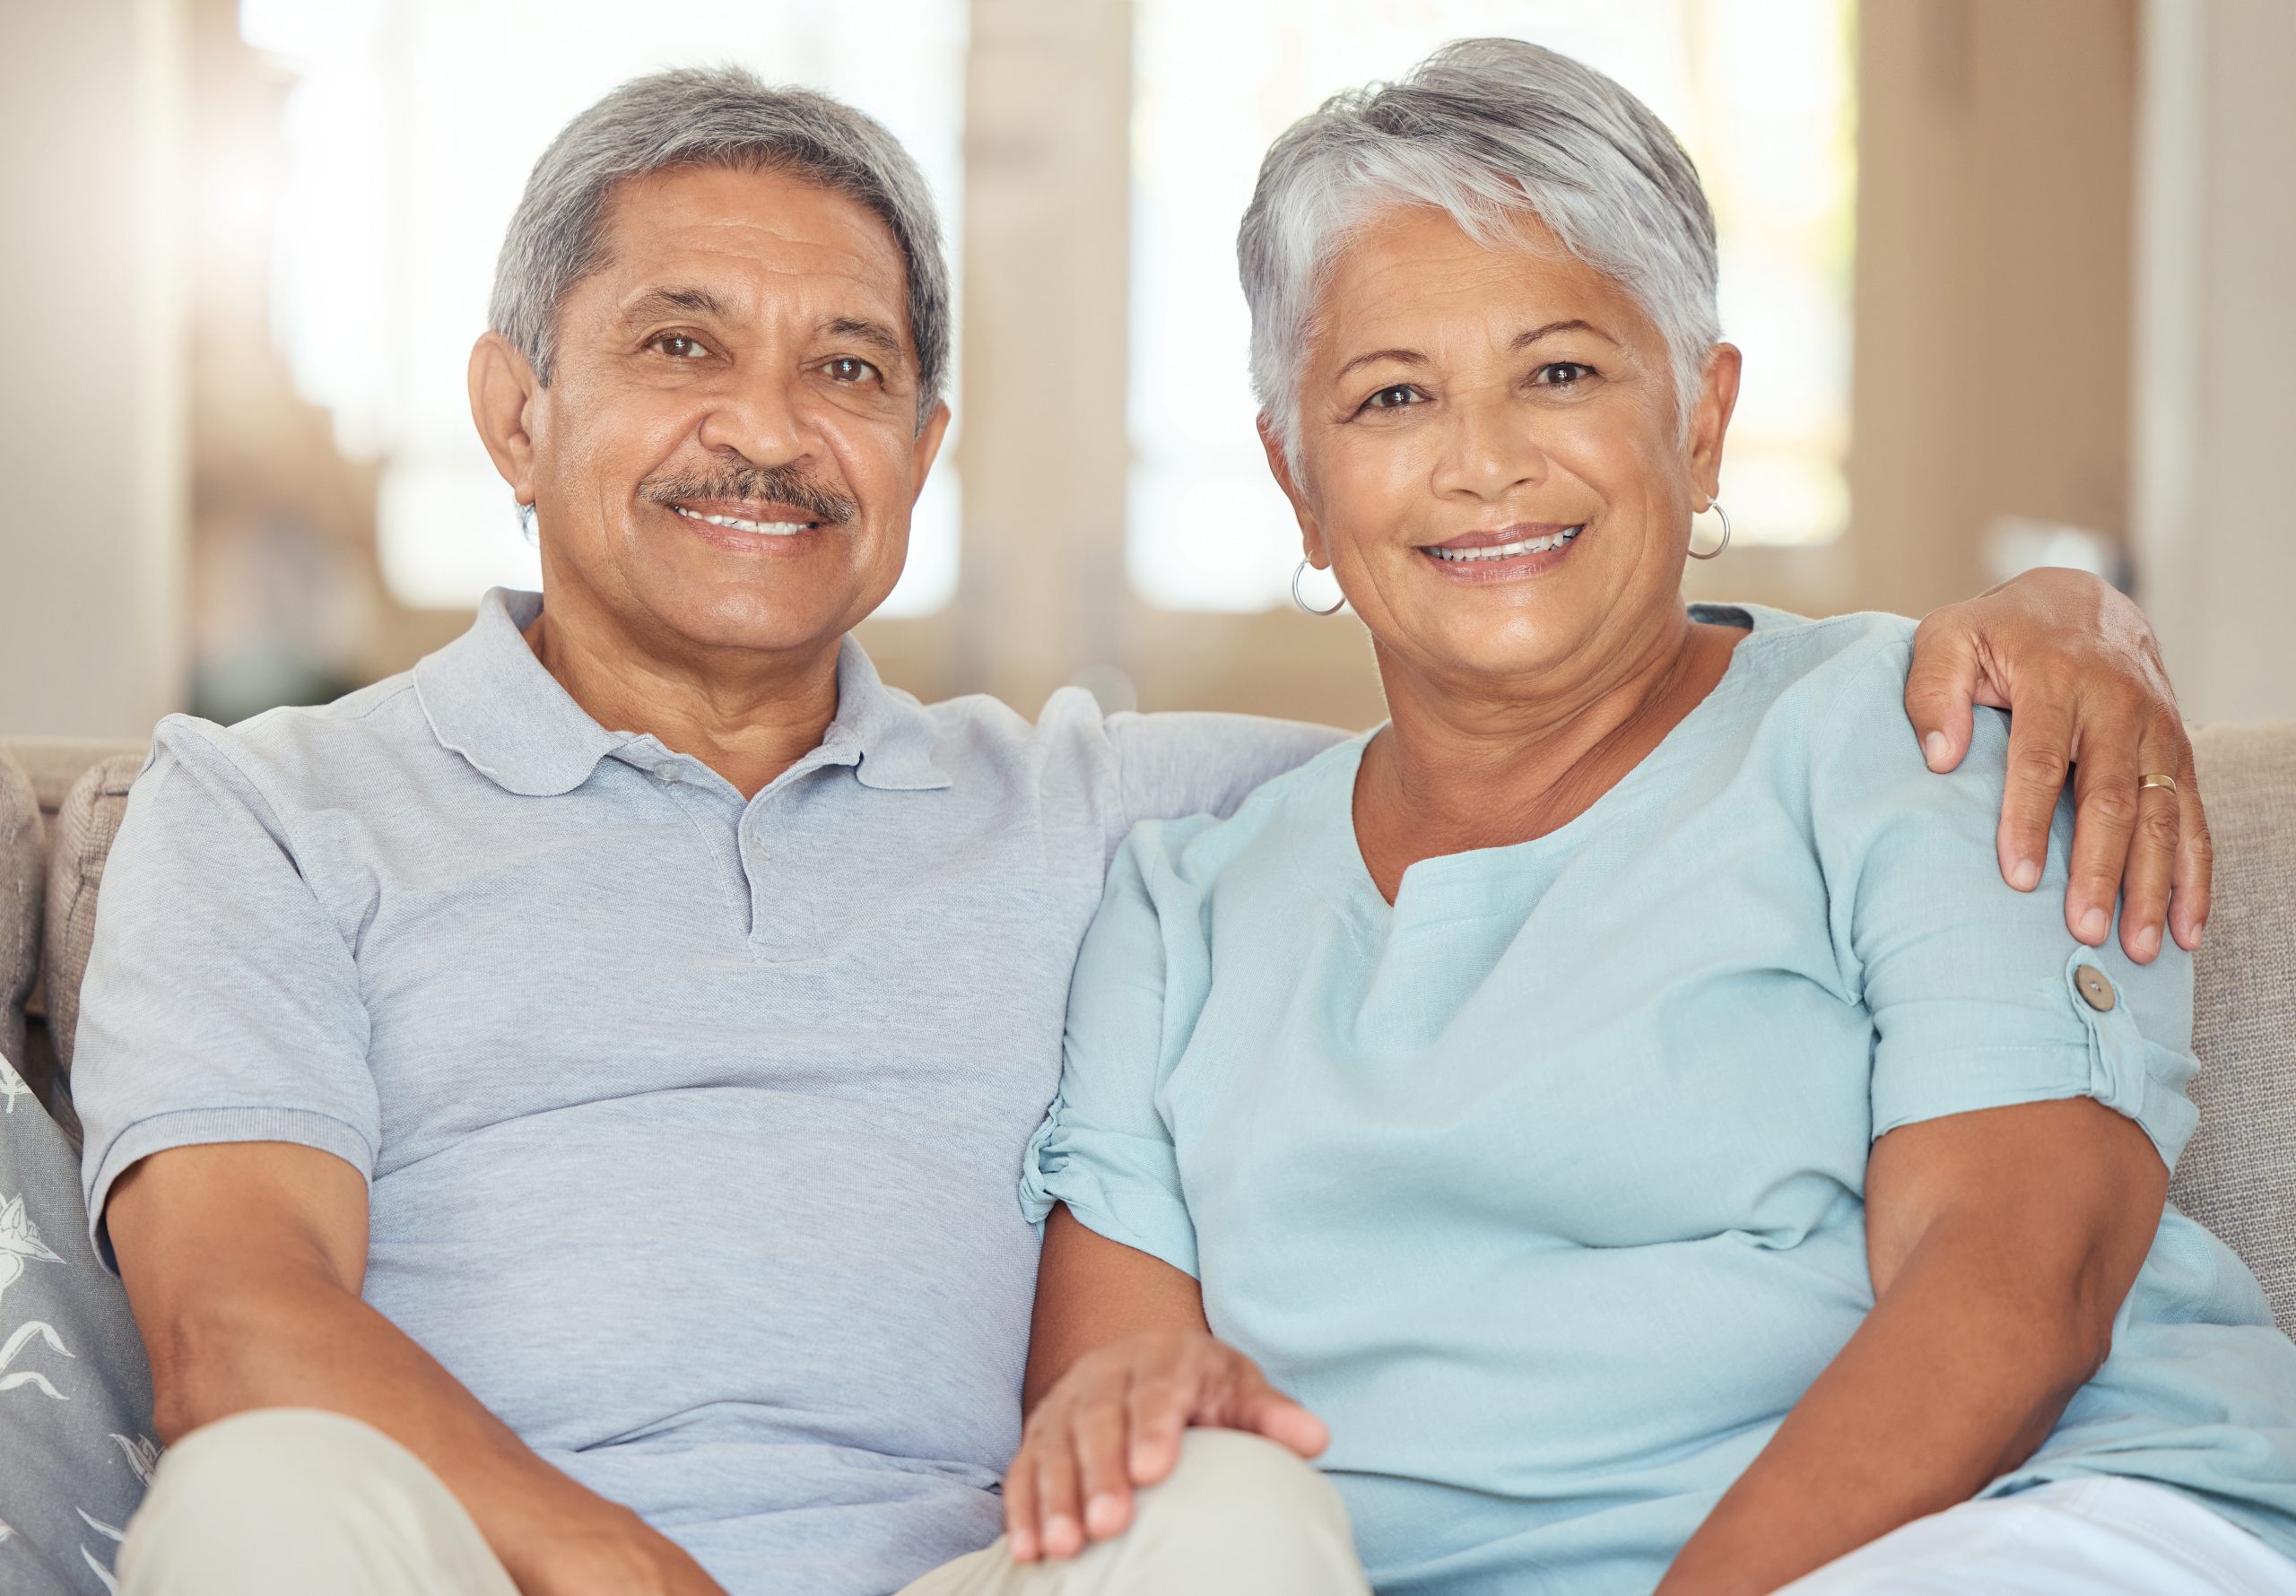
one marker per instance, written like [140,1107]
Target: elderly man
[557,1112]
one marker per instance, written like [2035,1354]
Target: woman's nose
[1490,449]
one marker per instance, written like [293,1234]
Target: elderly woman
[1615,1098]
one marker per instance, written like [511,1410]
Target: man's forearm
[1955,1378]
[305,1342]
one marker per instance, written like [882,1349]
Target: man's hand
[2077,664]
[614,1553]
[1112,1424]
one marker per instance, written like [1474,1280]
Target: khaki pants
[286,1502]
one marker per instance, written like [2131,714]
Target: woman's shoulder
[1836,682]
[1790,650]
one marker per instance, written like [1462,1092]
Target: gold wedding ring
[2156,780]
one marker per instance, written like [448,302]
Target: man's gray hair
[715,117]
[1487,129]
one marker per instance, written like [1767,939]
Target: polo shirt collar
[489,699]
[888,733]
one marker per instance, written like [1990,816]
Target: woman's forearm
[1957,1376]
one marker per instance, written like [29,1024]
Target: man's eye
[1561,374]
[678,346]
[1394,398]
[849,369]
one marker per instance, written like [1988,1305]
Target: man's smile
[774,520]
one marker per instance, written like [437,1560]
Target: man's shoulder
[302,753]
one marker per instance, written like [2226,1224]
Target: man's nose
[759,419]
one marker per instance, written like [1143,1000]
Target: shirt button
[2096,990]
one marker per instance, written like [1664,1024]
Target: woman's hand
[2077,666]
[1112,1425]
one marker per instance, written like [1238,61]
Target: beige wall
[92,476]
[2215,346]
[1991,366]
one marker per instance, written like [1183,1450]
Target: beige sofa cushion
[2238,1176]
[22,885]
[86,823]
[40,772]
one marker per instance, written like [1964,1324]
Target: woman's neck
[1490,766]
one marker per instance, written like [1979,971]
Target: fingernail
[1104,1513]
[1934,749]
[1022,1546]
[2026,875]
[2148,944]
[1061,1535]
[2093,924]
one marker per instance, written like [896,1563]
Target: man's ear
[1710,423]
[1311,534]
[501,387]
[927,448]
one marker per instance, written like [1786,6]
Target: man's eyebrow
[873,335]
[677,301]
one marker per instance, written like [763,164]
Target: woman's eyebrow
[1524,340]
[1576,325]
[1404,357]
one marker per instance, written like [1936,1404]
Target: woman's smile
[1507,554]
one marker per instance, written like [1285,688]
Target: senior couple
[573,1118]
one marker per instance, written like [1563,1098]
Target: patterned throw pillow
[75,1393]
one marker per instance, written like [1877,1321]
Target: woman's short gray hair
[715,117]
[1487,129]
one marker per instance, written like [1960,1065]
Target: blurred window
[411,130]
[1761,91]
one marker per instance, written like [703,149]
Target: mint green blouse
[1544,1186]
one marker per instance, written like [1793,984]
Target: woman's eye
[678,346]
[1394,398]
[849,369]
[1561,374]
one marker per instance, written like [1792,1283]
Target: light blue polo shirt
[692,1124]
[1544,1186]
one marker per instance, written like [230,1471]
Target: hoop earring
[1303,603]
[1716,506]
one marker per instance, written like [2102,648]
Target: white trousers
[2097,1537]
[293,1502]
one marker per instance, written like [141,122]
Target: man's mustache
[771,485]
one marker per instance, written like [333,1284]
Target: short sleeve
[1980,997]
[1169,765]
[222,1002]
[1105,1148]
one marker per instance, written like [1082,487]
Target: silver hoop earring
[1303,603]
[1715,507]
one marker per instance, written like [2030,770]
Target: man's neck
[748,722]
